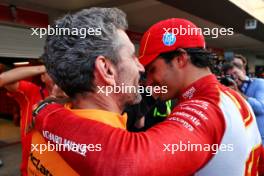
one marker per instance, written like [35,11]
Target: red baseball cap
[169,35]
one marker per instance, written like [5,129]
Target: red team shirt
[207,114]
[27,95]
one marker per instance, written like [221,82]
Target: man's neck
[196,74]
[96,101]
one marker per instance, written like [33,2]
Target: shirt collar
[110,118]
[243,88]
[198,87]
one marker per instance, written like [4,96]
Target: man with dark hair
[212,130]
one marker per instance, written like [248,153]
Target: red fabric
[27,96]
[141,154]
[154,40]
[261,163]
[7,105]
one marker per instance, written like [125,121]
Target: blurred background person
[252,89]
[241,61]
[27,94]
[148,113]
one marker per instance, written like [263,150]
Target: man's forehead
[237,60]
[154,63]
[238,64]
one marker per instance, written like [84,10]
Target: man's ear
[181,60]
[105,70]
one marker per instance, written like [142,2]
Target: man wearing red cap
[212,131]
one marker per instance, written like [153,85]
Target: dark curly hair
[198,56]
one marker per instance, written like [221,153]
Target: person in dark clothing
[147,113]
